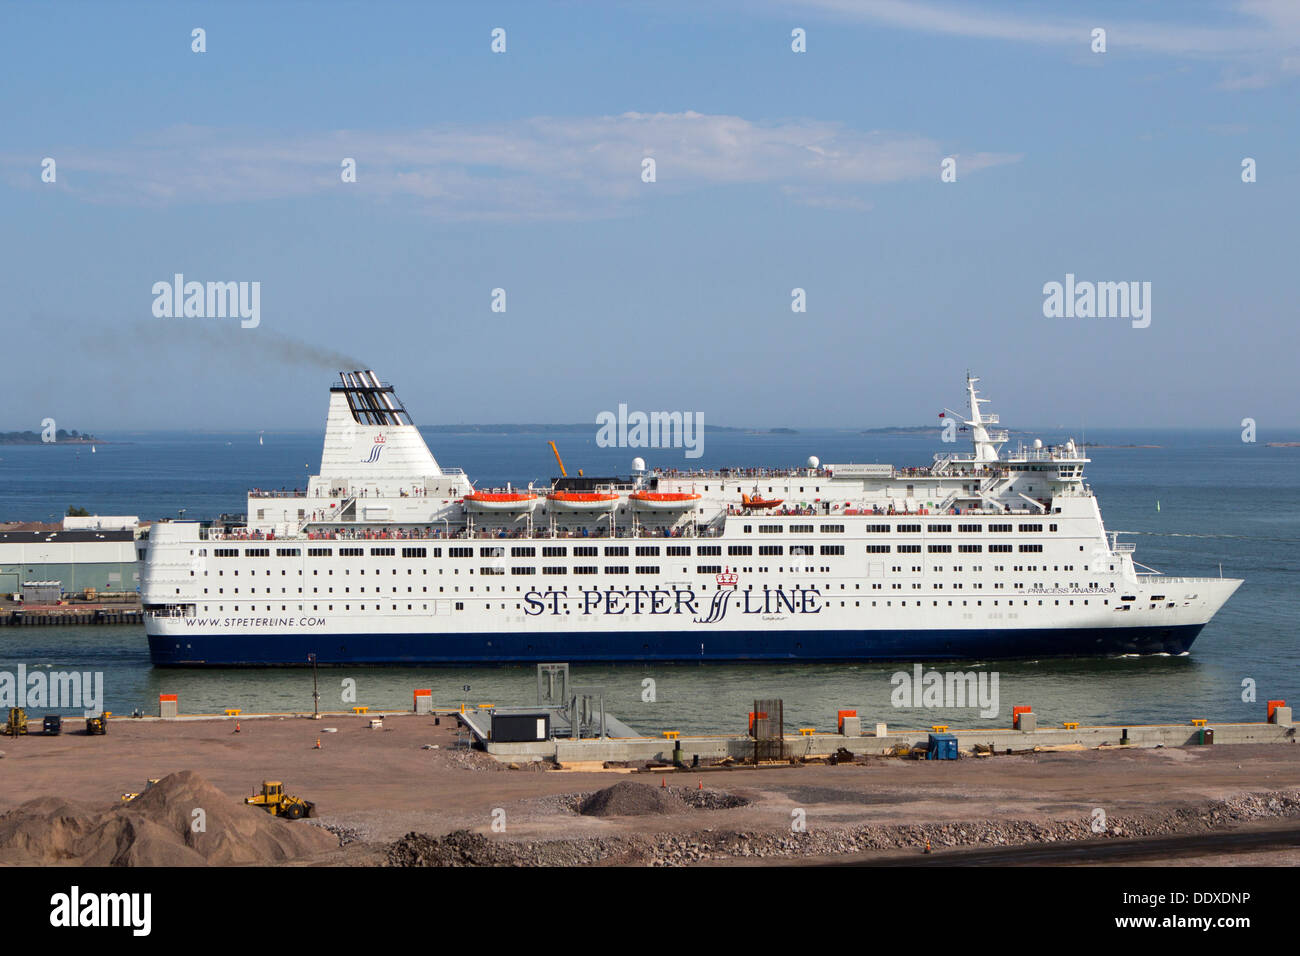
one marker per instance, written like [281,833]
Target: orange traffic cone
[317,747]
[701,786]
[236,726]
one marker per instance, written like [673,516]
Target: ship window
[832,529]
[832,549]
[909,529]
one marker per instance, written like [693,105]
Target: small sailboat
[259,437]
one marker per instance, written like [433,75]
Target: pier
[59,615]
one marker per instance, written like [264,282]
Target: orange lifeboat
[662,500]
[582,500]
[501,501]
[755,501]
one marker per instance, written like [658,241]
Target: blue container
[942,747]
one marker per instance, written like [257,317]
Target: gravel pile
[709,799]
[694,799]
[156,829]
[628,799]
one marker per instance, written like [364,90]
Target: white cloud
[1258,41]
[538,168]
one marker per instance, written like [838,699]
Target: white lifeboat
[582,500]
[663,500]
[498,501]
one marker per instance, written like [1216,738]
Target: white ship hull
[974,558]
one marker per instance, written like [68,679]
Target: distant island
[1282,444]
[900,430]
[61,437]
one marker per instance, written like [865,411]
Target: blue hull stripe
[194,650]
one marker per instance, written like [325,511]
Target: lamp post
[315,689]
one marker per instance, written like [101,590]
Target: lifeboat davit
[754,501]
[512,501]
[662,500]
[582,500]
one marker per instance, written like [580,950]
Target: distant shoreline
[5,440]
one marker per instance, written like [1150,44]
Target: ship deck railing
[729,474]
[419,534]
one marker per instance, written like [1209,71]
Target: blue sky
[775,170]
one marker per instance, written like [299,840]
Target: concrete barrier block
[882,730]
[852,727]
[1028,722]
[1282,716]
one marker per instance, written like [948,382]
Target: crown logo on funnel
[727,578]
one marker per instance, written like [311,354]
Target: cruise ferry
[387,557]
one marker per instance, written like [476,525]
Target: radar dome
[638,464]
[813,461]
[1038,443]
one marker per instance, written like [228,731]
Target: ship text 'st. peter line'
[387,557]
